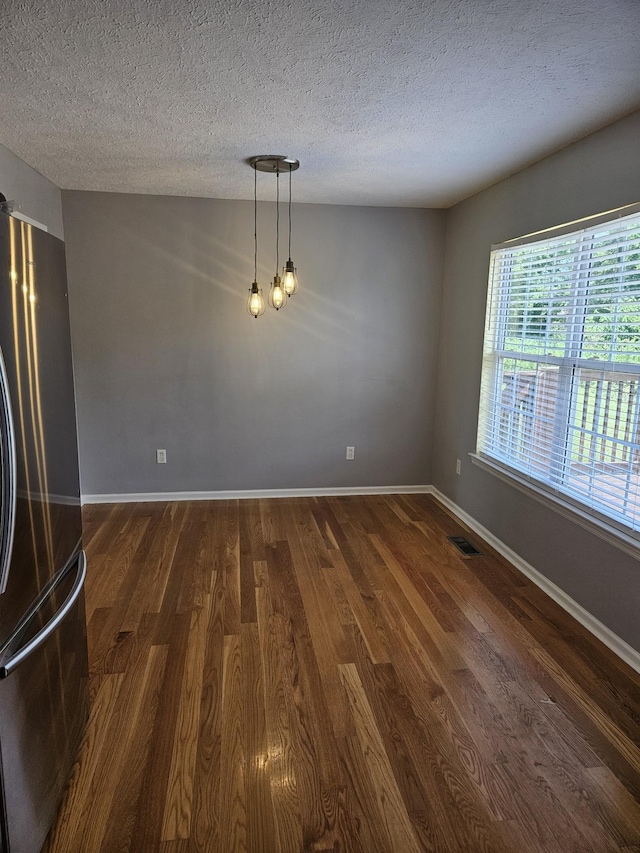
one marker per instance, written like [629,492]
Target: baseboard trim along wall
[616,644]
[147,497]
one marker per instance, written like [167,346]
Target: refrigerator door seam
[9,478]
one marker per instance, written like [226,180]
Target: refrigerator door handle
[9,477]
[8,667]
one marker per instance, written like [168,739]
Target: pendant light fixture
[289,274]
[255,304]
[277,296]
[281,288]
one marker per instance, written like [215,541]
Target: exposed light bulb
[255,305]
[277,296]
[290,279]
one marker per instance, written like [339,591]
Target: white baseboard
[147,497]
[617,645]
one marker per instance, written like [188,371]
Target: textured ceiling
[384,102]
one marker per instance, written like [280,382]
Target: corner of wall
[37,197]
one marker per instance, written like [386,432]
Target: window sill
[626,542]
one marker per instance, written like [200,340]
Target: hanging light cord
[255,225]
[289,211]
[277,221]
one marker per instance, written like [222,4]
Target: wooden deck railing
[603,414]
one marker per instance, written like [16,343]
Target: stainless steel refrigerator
[43,649]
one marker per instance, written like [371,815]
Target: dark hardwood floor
[331,675]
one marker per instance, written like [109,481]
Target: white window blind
[560,397]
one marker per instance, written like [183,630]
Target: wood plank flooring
[330,674]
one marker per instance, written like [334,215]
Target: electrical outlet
[458,466]
[161,457]
[351,453]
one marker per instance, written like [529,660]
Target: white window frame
[551,490]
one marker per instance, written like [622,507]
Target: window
[560,398]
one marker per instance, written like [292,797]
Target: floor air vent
[464,546]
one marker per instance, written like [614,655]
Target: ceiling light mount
[274,163]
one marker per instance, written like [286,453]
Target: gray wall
[167,357]
[38,198]
[596,174]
